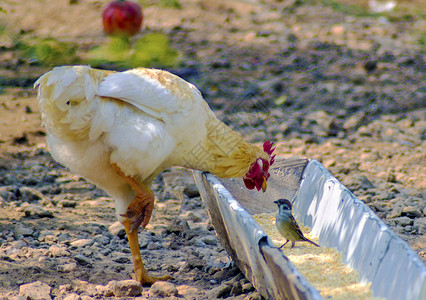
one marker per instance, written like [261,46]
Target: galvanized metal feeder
[321,202]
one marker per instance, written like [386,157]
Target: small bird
[286,224]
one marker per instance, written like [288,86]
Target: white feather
[145,93]
[142,120]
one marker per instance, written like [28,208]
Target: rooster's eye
[265,166]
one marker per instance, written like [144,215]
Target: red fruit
[122,18]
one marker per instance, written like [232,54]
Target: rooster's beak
[264,184]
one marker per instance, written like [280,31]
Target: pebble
[222,291]
[7,195]
[17,245]
[403,221]
[412,212]
[420,225]
[247,287]
[57,251]
[72,296]
[67,268]
[82,243]
[163,289]
[326,123]
[122,260]
[189,291]
[83,260]
[35,291]
[191,190]
[117,229]
[357,182]
[124,288]
[24,231]
[178,226]
[396,212]
[35,211]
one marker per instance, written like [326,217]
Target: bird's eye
[265,166]
[68,102]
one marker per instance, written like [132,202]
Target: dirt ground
[328,81]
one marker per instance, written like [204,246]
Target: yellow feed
[321,266]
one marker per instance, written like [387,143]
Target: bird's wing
[295,226]
[157,93]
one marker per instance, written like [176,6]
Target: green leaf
[48,51]
[150,50]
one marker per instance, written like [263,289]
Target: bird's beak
[264,184]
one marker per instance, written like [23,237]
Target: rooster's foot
[148,280]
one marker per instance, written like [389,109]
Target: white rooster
[121,129]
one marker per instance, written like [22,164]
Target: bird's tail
[307,240]
[66,95]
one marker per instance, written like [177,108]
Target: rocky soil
[344,87]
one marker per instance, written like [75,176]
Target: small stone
[83,260]
[247,288]
[360,182]
[221,63]
[326,124]
[403,221]
[16,245]
[411,212]
[191,190]
[186,290]
[35,211]
[35,291]
[210,240]
[72,296]
[47,236]
[101,290]
[7,195]
[102,240]
[179,226]
[153,246]
[221,291]
[65,288]
[29,196]
[117,229]
[57,251]
[24,231]
[122,260]
[67,203]
[67,268]
[196,263]
[354,121]
[124,288]
[420,225]
[396,212]
[163,289]
[82,242]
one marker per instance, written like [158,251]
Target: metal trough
[335,215]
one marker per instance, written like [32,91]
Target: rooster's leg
[138,213]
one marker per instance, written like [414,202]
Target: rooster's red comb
[267,147]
